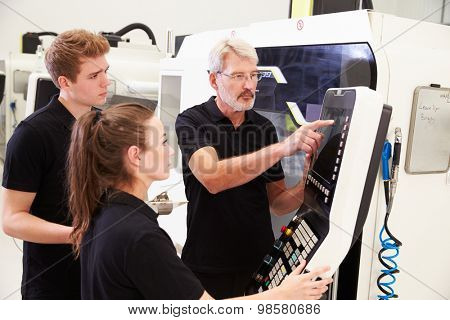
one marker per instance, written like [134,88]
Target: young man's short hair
[63,58]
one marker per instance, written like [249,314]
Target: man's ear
[213,80]
[64,82]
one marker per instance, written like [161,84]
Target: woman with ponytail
[114,157]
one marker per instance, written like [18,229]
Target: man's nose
[249,84]
[105,80]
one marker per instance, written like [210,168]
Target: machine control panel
[321,230]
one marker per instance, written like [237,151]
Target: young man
[34,179]
[233,175]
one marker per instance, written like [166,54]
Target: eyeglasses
[241,77]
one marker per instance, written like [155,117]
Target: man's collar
[217,115]
[214,111]
[66,117]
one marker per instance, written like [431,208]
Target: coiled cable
[390,245]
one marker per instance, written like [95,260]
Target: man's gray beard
[233,103]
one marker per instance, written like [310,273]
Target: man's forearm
[237,171]
[289,200]
[25,226]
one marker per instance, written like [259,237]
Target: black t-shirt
[231,230]
[35,162]
[126,255]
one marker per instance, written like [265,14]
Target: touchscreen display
[340,111]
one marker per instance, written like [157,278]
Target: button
[327,192]
[308,230]
[338,160]
[297,241]
[347,118]
[343,136]
[283,228]
[339,152]
[333,177]
[288,233]
[278,245]
[345,127]
[326,199]
[341,144]
[269,260]
[303,241]
[335,169]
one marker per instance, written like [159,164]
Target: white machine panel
[338,191]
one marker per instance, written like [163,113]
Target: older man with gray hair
[233,174]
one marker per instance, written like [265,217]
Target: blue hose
[391,267]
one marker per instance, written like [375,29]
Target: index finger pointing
[320,124]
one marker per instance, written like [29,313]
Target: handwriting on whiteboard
[427,113]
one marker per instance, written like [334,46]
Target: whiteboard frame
[412,127]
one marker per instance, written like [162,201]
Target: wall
[428,10]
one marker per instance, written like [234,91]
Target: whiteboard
[429,131]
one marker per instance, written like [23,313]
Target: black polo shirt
[35,162]
[126,255]
[231,230]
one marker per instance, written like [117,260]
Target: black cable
[135,26]
[47,33]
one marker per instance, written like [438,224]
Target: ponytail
[95,160]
